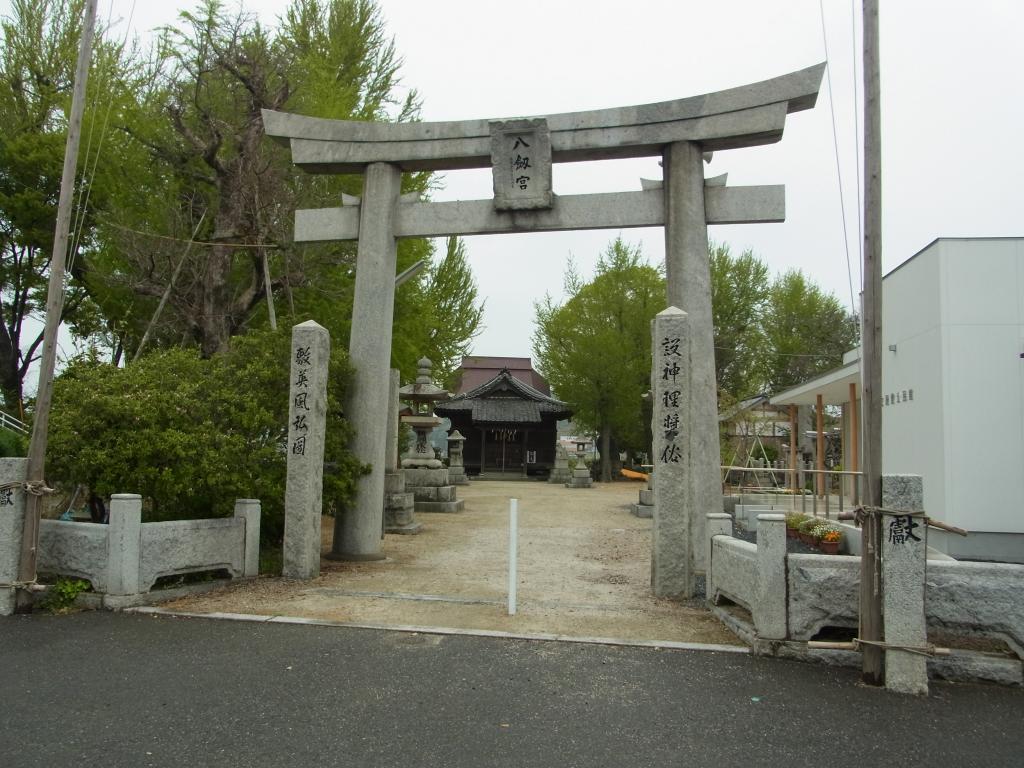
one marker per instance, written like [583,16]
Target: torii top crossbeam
[746,116]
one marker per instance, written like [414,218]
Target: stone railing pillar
[770,609]
[124,544]
[12,518]
[718,524]
[904,558]
[249,511]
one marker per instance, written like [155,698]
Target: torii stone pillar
[357,532]
[688,281]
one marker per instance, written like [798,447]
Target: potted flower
[793,521]
[807,530]
[830,539]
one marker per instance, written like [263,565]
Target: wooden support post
[820,447]
[54,307]
[872,672]
[854,443]
[794,425]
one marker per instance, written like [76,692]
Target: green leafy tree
[595,349]
[439,316]
[210,172]
[806,332]
[739,295]
[191,434]
[37,63]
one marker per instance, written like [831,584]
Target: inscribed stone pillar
[770,610]
[307,426]
[12,518]
[688,282]
[672,546]
[904,557]
[357,533]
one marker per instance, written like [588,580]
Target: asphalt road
[102,689]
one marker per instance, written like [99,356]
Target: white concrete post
[124,544]
[672,547]
[688,284]
[357,533]
[770,609]
[718,524]
[307,428]
[12,518]
[248,510]
[513,555]
[904,558]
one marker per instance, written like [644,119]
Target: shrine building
[505,411]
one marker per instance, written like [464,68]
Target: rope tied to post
[921,650]
[34,487]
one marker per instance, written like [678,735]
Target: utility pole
[871,358]
[54,308]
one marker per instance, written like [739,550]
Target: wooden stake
[854,442]
[54,308]
[871,355]
[819,483]
[794,424]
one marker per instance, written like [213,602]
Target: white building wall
[956,315]
[913,430]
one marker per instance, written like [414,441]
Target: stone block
[423,476]
[440,506]
[249,510]
[717,524]
[643,510]
[770,609]
[125,544]
[12,518]
[823,592]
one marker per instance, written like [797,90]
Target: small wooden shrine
[509,426]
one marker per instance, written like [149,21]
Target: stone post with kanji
[12,516]
[904,560]
[307,426]
[672,557]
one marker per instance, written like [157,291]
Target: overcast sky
[952,117]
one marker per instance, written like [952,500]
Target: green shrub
[12,444]
[61,596]
[192,435]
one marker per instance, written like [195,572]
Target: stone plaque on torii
[679,131]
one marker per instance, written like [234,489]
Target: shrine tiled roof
[505,399]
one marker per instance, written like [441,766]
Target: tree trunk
[606,454]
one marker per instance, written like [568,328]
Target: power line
[835,144]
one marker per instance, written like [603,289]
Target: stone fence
[793,597]
[124,559]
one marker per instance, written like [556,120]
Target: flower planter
[829,547]
[792,533]
[808,539]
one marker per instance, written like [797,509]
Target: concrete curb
[454,631]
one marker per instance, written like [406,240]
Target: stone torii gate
[520,153]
